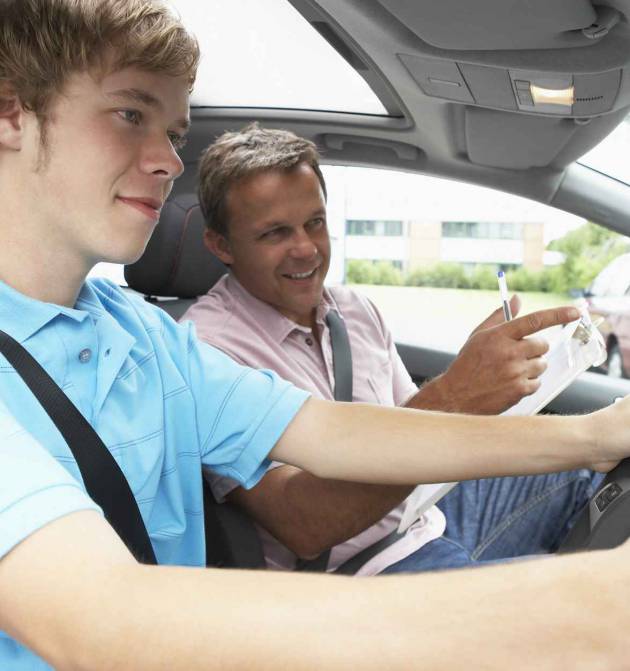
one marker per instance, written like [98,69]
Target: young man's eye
[133,116]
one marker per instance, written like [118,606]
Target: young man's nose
[160,157]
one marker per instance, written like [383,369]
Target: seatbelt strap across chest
[342,356]
[104,480]
[342,369]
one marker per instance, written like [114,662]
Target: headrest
[176,263]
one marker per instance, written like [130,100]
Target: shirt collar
[275,323]
[22,316]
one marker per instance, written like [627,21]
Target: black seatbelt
[342,369]
[104,480]
[342,356]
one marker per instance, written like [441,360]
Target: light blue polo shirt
[164,404]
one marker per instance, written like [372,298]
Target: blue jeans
[498,519]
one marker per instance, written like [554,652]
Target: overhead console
[559,94]
[535,83]
[510,24]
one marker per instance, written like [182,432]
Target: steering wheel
[605,521]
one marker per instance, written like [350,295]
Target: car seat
[174,270]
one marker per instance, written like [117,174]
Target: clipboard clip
[584,329]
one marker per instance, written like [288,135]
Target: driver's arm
[72,593]
[363,443]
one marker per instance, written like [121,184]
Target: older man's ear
[218,245]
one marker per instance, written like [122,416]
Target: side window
[426,251]
[112,271]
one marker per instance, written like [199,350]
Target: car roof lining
[514,152]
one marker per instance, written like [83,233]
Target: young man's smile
[149,207]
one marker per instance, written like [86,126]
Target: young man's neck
[36,267]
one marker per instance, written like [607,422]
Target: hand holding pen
[501,361]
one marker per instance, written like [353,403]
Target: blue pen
[505,298]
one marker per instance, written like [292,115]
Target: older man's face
[278,245]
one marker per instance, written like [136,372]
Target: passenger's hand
[498,365]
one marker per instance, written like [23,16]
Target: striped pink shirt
[257,335]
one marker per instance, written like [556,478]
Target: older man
[264,198]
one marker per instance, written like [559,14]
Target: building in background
[417,221]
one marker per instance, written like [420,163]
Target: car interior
[498,93]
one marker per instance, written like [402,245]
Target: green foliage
[450,275]
[359,272]
[368,272]
[483,277]
[385,273]
[587,250]
[524,279]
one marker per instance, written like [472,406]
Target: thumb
[497,317]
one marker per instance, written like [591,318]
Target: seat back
[176,266]
[175,269]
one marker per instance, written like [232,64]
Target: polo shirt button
[85,355]
[309,342]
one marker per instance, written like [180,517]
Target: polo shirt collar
[22,316]
[276,325]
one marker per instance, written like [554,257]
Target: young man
[264,198]
[94,102]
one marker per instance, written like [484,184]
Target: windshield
[610,156]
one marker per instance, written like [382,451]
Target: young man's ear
[218,245]
[11,122]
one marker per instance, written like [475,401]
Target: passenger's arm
[73,593]
[496,367]
[309,514]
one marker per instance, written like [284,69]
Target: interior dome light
[545,96]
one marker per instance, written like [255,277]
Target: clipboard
[573,349]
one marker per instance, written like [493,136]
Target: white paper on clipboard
[572,350]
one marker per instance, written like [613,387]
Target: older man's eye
[273,233]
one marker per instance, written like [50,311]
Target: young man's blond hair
[43,42]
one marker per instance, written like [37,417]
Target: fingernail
[574,313]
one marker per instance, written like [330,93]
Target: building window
[485,230]
[367,227]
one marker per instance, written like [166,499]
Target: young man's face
[94,191]
[278,245]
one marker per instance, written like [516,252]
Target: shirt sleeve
[241,412]
[34,488]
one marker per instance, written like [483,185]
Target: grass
[443,318]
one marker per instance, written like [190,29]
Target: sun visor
[520,141]
[488,25]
